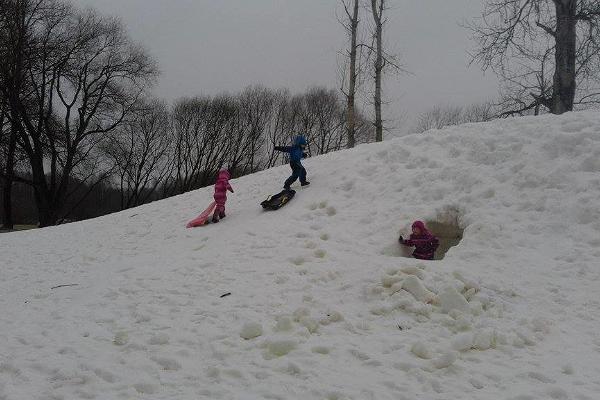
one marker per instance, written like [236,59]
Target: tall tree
[518,39]
[382,61]
[377,9]
[14,31]
[350,23]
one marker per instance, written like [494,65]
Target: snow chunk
[284,323]
[332,316]
[320,253]
[484,339]
[477,384]
[421,350]
[450,300]
[469,284]
[280,347]
[463,342]
[311,324]
[445,360]
[396,287]
[567,369]
[412,270]
[251,330]
[387,280]
[413,285]
[461,322]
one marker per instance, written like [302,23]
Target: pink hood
[223,175]
[422,228]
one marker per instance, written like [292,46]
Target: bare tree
[84,77]
[377,9]
[141,152]
[441,116]
[320,115]
[203,128]
[13,38]
[527,41]
[523,86]
[382,61]
[5,135]
[327,133]
[350,24]
[255,106]
[277,130]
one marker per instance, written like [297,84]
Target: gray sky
[210,46]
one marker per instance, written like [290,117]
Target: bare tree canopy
[73,78]
[546,52]
[441,116]
[141,152]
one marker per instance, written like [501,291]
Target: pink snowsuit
[221,187]
[425,243]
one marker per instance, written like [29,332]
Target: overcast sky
[210,46]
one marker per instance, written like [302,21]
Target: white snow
[250,330]
[324,303]
[450,299]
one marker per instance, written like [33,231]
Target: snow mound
[321,306]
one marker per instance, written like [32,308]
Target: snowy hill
[319,290]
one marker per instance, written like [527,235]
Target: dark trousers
[298,171]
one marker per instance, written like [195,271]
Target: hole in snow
[448,234]
[446,227]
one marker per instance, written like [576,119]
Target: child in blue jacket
[296,154]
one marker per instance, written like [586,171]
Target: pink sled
[202,218]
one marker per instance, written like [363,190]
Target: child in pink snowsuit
[422,240]
[221,187]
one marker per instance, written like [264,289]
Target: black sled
[278,200]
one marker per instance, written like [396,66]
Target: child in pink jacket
[221,187]
[422,240]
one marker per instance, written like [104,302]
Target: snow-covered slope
[319,290]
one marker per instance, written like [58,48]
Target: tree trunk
[377,11]
[46,214]
[45,205]
[563,90]
[14,79]
[350,117]
[7,218]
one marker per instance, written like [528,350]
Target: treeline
[81,136]
[161,151]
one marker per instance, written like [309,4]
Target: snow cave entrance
[446,227]
[449,235]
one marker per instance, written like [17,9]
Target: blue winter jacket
[296,151]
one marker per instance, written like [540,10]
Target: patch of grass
[19,228]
